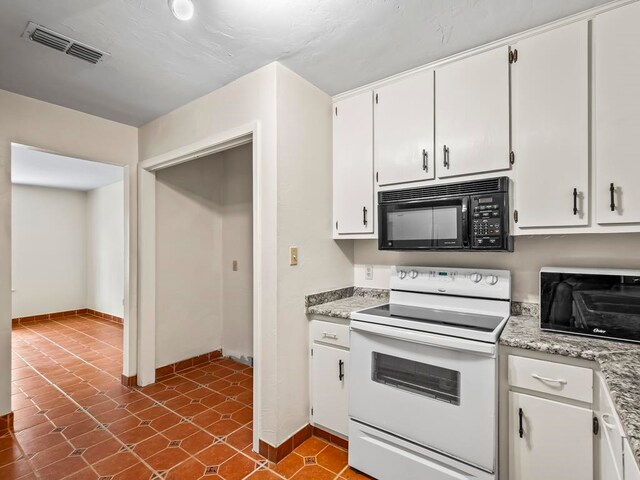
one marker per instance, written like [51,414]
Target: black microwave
[468,216]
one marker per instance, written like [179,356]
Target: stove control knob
[491,279]
[402,274]
[413,274]
[475,277]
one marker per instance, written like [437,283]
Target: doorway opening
[204,258]
[69,254]
[199,264]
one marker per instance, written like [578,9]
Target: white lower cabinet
[329,379]
[549,440]
[610,440]
[554,434]
[631,470]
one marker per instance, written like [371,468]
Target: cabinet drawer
[330,333]
[554,378]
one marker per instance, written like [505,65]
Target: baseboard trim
[174,367]
[67,313]
[6,423]
[129,381]
[188,363]
[50,316]
[331,437]
[106,316]
[275,454]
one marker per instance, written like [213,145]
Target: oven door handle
[428,339]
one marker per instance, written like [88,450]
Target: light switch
[293,255]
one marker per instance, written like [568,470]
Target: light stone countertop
[343,302]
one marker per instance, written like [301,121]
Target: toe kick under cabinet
[558,421]
[329,375]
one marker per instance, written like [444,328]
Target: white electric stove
[423,393]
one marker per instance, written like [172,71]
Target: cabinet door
[353,164]
[556,441]
[617,115]
[329,386]
[551,127]
[472,114]
[403,130]
[610,441]
[631,470]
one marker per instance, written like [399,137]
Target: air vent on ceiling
[62,43]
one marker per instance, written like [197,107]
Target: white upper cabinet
[550,80]
[616,37]
[472,114]
[403,144]
[353,165]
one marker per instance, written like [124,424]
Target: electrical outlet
[368,272]
[293,255]
[235,265]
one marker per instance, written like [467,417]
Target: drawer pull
[549,380]
[605,417]
[332,336]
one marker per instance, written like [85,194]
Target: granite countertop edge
[342,302]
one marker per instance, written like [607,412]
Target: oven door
[424,225]
[437,391]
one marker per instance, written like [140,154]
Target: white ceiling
[158,63]
[33,167]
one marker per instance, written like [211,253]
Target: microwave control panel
[488,217]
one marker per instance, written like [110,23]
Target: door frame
[147,168]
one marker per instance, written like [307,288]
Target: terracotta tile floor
[74,420]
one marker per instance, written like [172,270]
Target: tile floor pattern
[74,420]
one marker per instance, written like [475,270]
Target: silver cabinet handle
[610,426]
[550,380]
[425,160]
[332,336]
[445,160]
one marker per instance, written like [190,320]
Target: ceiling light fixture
[182,9]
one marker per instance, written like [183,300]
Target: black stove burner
[470,321]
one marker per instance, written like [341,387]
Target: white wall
[247,102]
[304,220]
[188,260]
[237,244]
[292,153]
[531,253]
[106,249]
[204,223]
[67,132]
[49,233]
